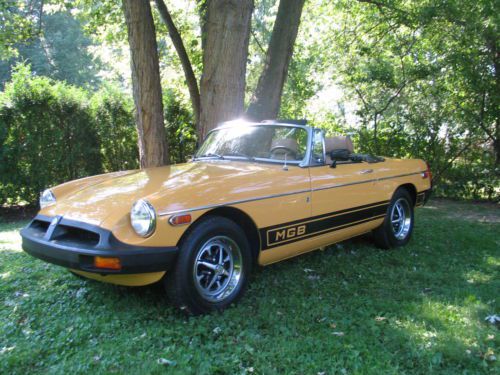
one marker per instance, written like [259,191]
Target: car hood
[168,189]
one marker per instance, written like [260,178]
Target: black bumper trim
[423,197]
[79,256]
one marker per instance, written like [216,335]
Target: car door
[346,200]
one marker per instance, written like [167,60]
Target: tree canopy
[404,78]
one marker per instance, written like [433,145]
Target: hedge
[52,132]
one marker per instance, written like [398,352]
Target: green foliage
[59,52]
[50,136]
[112,112]
[404,78]
[423,79]
[18,24]
[351,309]
[52,132]
[471,179]
[181,132]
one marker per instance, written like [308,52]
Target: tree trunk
[222,86]
[146,84]
[176,38]
[202,6]
[266,100]
[496,143]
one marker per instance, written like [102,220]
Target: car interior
[287,148]
[340,150]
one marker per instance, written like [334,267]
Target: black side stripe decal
[297,230]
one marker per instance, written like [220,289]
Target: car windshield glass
[256,142]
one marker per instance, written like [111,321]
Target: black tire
[389,235]
[197,289]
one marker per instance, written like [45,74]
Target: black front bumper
[74,244]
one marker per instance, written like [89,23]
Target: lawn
[351,309]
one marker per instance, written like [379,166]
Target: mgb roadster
[254,194]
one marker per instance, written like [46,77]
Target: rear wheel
[212,269]
[397,227]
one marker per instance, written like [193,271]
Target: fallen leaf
[493,319]
[80,293]
[338,333]
[380,318]
[7,349]
[166,362]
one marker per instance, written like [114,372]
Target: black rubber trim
[47,246]
[423,197]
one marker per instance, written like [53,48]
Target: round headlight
[47,198]
[143,218]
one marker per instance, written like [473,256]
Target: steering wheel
[286,149]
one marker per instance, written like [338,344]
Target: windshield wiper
[209,155]
[240,154]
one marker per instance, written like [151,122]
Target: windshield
[256,142]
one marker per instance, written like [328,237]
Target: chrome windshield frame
[305,162]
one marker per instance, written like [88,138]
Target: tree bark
[176,38]
[202,13]
[266,100]
[146,84]
[222,87]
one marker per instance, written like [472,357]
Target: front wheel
[397,227]
[212,269]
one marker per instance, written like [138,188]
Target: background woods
[95,86]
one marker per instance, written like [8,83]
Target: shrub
[47,135]
[180,129]
[112,113]
[52,132]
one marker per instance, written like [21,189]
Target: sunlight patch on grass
[477,276]
[10,241]
[349,309]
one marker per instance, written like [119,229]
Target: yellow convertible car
[254,194]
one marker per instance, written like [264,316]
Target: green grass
[352,309]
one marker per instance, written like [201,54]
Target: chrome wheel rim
[401,218]
[217,268]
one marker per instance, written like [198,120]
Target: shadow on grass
[351,308]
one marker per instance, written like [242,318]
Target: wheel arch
[242,219]
[411,189]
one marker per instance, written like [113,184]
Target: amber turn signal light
[108,263]
[180,219]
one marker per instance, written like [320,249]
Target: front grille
[65,234]
[40,225]
[73,235]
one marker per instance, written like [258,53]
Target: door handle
[365,171]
